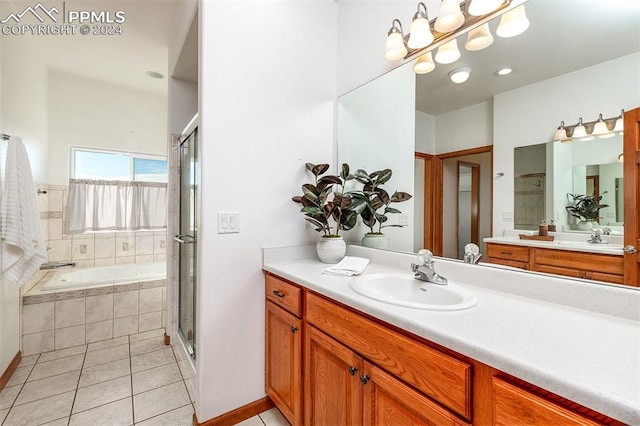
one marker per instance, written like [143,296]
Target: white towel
[22,245]
[348,266]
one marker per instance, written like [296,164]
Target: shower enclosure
[187,236]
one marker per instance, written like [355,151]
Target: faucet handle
[425,257]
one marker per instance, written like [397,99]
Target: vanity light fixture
[450,17]
[561,134]
[479,38]
[424,64]
[460,75]
[600,128]
[580,131]
[448,53]
[395,48]
[420,35]
[619,126]
[482,7]
[513,22]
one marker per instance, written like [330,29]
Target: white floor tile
[102,393]
[112,414]
[103,372]
[62,353]
[108,343]
[8,395]
[29,360]
[106,355]
[3,414]
[147,380]
[182,416]
[60,422]
[148,345]
[41,411]
[146,335]
[151,360]
[273,417]
[44,388]
[252,421]
[20,375]
[159,401]
[58,366]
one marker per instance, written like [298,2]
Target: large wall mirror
[579,58]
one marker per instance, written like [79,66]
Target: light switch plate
[228,222]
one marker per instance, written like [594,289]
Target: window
[114,165]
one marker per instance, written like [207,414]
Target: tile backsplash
[93,249]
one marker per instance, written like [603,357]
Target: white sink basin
[405,290]
[586,245]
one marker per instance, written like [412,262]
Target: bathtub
[87,277]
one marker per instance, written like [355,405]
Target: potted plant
[586,208]
[373,204]
[327,207]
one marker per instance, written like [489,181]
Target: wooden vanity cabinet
[590,266]
[508,255]
[283,352]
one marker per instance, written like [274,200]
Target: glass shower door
[188,240]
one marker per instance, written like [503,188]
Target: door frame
[475,203]
[631,166]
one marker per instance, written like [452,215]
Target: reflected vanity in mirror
[418,125]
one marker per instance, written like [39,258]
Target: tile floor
[130,380]
[124,381]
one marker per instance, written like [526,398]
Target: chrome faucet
[472,253]
[425,270]
[596,237]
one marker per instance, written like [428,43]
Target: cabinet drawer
[508,252]
[444,378]
[588,275]
[596,262]
[512,263]
[513,405]
[284,294]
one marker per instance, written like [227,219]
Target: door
[333,390]
[468,206]
[187,238]
[284,361]
[632,197]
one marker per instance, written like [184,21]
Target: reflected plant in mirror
[587,209]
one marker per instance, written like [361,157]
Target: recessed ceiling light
[504,71]
[154,74]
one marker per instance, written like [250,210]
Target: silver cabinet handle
[184,239]
[630,249]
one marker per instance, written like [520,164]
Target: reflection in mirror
[544,175]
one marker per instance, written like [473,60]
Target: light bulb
[424,64]
[482,7]
[448,53]
[479,38]
[450,17]
[513,22]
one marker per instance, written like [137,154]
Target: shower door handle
[184,239]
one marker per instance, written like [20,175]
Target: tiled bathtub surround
[63,319]
[94,249]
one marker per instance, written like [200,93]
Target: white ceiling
[118,59]
[564,35]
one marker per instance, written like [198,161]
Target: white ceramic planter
[331,249]
[378,241]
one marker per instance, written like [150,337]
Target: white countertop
[576,339]
[560,245]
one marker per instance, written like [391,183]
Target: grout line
[86,351]
[133,411]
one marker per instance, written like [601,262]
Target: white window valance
[101,205]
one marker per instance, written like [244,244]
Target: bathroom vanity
[334,356]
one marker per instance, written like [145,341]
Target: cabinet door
[388,401]
[333,391]
[283,361]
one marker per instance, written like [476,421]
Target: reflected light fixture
[448,53]
[450,17]
[619,127]
[424,64]
[504,71]
[580,131]
[479,38]
[561,134]
[600,128]
[482,7]
[460,75]
[513,22]
[395,48]
[420,35]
